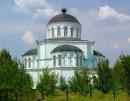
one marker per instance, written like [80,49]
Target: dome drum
[63,25]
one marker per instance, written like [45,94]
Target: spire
[63,10]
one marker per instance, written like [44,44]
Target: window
[29,62]
[70,59]
[72,31]
[77,60]
[52,32]
[48,31]
[80,60]
[59,60]
[58,31]
[77,32]
[25,63]
[54,60]
[65,31]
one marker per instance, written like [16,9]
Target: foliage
[118,73]
[23,82]
[104,76]
[126,64]
[80,81]
[7,70]
[12,75]
[48,81]
[62,84]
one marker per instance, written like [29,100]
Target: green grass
[61,96]
[97,96]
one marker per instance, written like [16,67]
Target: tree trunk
[1,95]
[43,97]
[16,96]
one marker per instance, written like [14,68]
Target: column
[62,31]
[55,31]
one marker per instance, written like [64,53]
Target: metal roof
[63,17]
[30,52]
[95,52]
[66,48]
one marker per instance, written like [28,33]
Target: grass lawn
[61,96]
[97,96]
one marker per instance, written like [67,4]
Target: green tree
[7,72]
[11,71]
[126,64]
[23,82]
[74,83]
[104,76]
[118,73]
[48,81]
[62,84]
[80,81]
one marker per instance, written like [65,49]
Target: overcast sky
[105,21]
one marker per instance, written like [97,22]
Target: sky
[107,22]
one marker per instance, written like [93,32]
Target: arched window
[72,31]
[58,31]
[70,60]
[77,60]
[52,32]
[80,60]
[29,62]
[54,60]
[76,32]
[49,32]
[59,60]
[65,31]
[25,63]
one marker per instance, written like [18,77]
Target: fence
[67,94]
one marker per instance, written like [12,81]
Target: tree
[62,84]
[80,82]
[104,76]
[126,64]
[73,82]
[23,82]
[12,75]
[48,81]
[7,72]
[118,73]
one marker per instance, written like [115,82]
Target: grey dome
[97,53]
[66,48]
[30,52]
[63,17]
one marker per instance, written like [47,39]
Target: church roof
[31,52]
[66,48]
[95,52]
[63,17]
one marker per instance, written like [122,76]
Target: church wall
[65,73]
[46,48]
[30,61]
[34,75]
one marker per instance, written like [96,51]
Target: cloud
[116,46]
[44,13]
[106,12]
[28,37]
[128,40]
[37,8]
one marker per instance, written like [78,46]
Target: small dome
[30,52]
[63,18]
[97,53]
[66,48]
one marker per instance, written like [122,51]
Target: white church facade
[63,50]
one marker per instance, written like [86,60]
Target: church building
[63,50]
